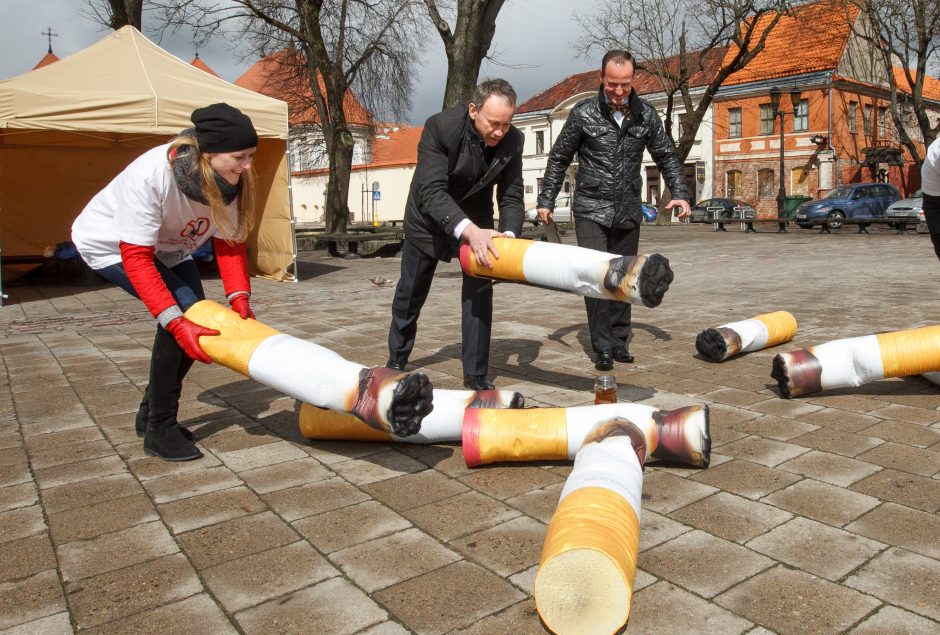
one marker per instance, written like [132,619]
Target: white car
[562,213]
[911,209]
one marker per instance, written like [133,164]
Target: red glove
[240,305]
[233,268]
[187,335]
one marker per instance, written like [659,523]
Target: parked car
[561,214]
[712,209]
[855,201]
[910,209]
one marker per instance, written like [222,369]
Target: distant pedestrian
[140,231]
[609,133]
[930,186]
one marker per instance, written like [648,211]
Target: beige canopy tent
[68,128]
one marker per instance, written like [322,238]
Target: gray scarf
[189,180]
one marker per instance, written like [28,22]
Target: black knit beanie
[223,128]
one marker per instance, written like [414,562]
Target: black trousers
[476,311]
[608,321]
[932,216]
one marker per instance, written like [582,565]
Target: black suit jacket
[451,183]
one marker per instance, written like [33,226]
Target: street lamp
[776,112]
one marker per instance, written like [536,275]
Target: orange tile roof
[395,146]
[271,76]
[931,84]
[807,39]
[47,59]
[643,82]
[198,63]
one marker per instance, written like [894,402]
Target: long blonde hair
[245,202]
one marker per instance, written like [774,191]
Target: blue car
[856,201]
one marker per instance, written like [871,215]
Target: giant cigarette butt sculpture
[734,338]
[680,436]
[444,423]
[587,272]
[386,399]
[857,360]
[584,583]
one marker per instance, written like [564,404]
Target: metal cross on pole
[49,34]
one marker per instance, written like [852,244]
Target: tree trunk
[124,12]
[337,186]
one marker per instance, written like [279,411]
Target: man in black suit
[464,152]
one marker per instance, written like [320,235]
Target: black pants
[932,216]
[608,321]
[476,314]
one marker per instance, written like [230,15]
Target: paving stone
[744,478]
[731,517]
[763,451]
[904,458]
[377,467]
[506,548]
[509,481]
[334,606]
[519,619]
[777,428]
[315,498]
[792,408]
[70,453]
[461,515]
[332,452]
[414,490]
[80,471]
[83,493]
[833,419]
[702,563]
[388,560]
[852,402]
[656,529]
[823,502]
[836,441]
[16,496]
[902,527]
[649,613]
[900,487]
[29,600]
[351,525]
[149,467]
[386,628]
[207,509]
[85,558]
[15,474]
[830,468]
[902,578]
[789,601]
[898,412]
[455,596]
[261,456]
[891,619]
[191,483]
[25,557]
[57,624]
[117,594]
[53,440]
[249,581]
[21,522]
[231,539]
[664,492]
[902,432]
[734,396]
[539,504]
[195,614]
[82,523]
[284,475]
[237,439]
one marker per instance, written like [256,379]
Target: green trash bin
[792,203]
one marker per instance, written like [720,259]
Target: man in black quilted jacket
[609,132]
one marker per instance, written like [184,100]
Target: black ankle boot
[164,438]
[143,412]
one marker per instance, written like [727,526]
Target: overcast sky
[533,36]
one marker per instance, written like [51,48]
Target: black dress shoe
[395,365]
[604,361]
[478,382]
[622,355]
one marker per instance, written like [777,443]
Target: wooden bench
[747,225]
[353,239]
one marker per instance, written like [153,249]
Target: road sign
[376,195]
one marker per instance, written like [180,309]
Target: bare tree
[338,45]
[116,13]
[674,40]
[466,45]
[906,36]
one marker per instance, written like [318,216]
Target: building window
[853,117]
[799,181]
[866,119]
[539,142]
[765,183]
[734,184]
[734,123]
[882,123]
[538,184]
[528,189]
[766,119]
[801,117]
[652,185]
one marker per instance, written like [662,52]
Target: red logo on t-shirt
[195,228]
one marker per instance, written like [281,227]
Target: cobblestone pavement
[818,514]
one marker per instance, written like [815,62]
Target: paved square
[818,514]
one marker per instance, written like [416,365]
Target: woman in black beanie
[140,231]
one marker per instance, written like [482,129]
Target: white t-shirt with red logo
[143,206]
